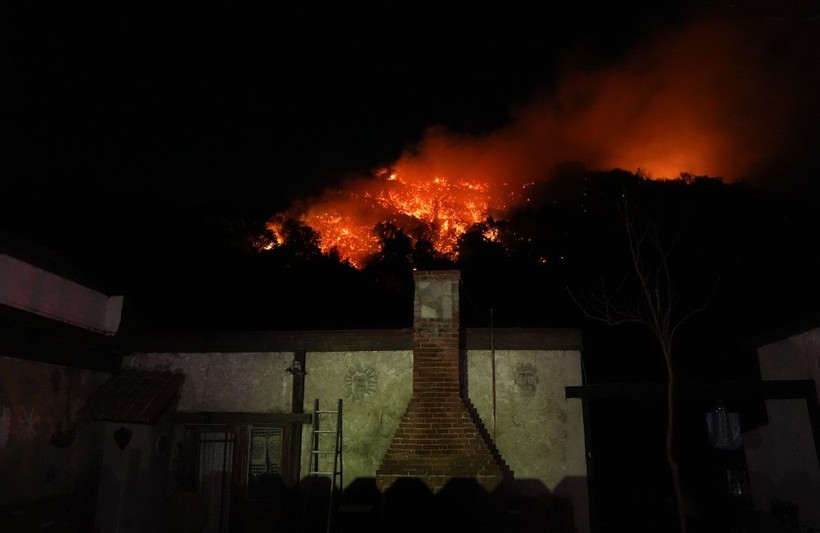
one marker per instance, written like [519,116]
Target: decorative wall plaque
[526,378]
[360,381]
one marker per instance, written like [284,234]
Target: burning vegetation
[440,210]
[697,101]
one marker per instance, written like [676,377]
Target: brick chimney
[440,436]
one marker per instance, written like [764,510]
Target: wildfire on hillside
[440,209]
[693,101]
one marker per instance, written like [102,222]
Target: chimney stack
[440,436]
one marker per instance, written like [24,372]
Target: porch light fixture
[296,369]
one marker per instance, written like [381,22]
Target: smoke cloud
[721,97]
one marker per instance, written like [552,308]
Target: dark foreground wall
[49,459]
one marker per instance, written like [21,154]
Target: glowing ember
[440,210]
[352,240]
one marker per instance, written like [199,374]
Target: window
[243,471]
[264,480]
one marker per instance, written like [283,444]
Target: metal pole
[492,353]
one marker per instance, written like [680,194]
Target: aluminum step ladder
[321,452]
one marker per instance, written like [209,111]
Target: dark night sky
[110,115]
[217,100]
[250,104]
[257,104]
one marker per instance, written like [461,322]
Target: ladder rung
[336,453]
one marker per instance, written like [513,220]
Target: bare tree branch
[654,306]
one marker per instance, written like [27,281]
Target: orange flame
[440,209]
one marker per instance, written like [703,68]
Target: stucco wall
[254,382]
[782,460]
[538,432]
[375,388]
[132,496]
[796,357]
[33,398]
[781,456]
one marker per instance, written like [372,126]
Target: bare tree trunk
[677,492]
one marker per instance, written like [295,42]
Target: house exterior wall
[131,499]
[33,399]
[227,382]
[134,492]
[781,455]
[375,388]
[796,357]
[537,430]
